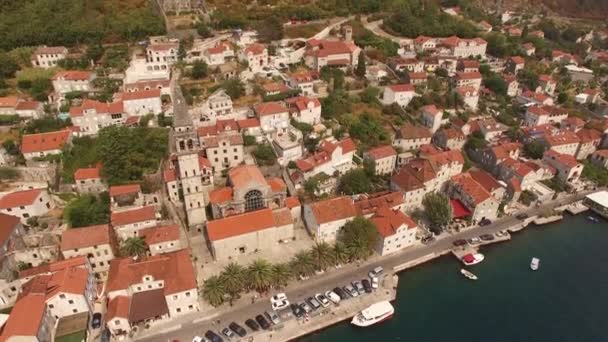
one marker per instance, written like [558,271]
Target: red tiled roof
[174,268]
[414,174]
[388,221]
[588,135]
[117,190]
[328,47]
[75,238]
[409,131]
[334,209]
[468,185]
[132,216]
[28,105]
[9,101]
[118,307]
[503,151]
[7,227]
[220,195]
[381,152]
[99,107]
[370,204]
[243,175]
[301,102]
[248,123]
[276,184]
[50,50]
[26,317]
[73,75]
[473,75]
[138,95]
[240,224]
[399,88]
[41,142]
[86,173]
[255,49]
[305,76]
[275,87]
[485,179]
[562,138]
[564,159]
[270,108]
[446,157]
[19,198]
[292,202]
[282,217]
[160,234]
[169,175]
[458,209]
[517,59]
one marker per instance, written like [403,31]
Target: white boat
[472,259]
[468,274]
[534,264]
[593,219]
[373,314]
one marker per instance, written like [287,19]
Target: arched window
[253,200]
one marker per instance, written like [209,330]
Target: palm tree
[233,277]
[134,246]
[340,253]
[303,264]
[281,274]
[358,249]
[259,275]
[214,291]
[322,255]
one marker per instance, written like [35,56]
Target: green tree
[303,264]
[338,77]
[259,275]
[8,66]
[134,246]
[534,149]
[264,154]
[281,274]
[340,253]
[322,255]
[233,278]
[234,88]
[10,147]
[355,181]
[88,210]
[214,291]
[270,29]
[203,30]
[199,69]
[360,237]
[360,71]
[7,173]
[437,209]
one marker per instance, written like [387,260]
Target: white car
[322,299]
[278,297]
[280,305]
[374,282]
[197,339]
[332,296]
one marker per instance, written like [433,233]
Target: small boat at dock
[534,264]
[468,274]
[472,259]
[593,219]
[373,314]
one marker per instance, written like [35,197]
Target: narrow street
[297,292]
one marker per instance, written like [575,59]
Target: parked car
[521,216]
[197,339]
[358,287]
[340,292]
[351,290]
[376,272]
[228,333]
[332,296]
[460,242]
[313,303]
[306,307]
[213,337]
[262,322]
[96,321]
[273,317]
[297,310]
[474,241]
[322,299]
[239,330]
[375,283]
[427,240]
[485,222]
[487,237]
[279,302]
[367,286]
[253,325]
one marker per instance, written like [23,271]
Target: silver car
[273,317]
[351,291]
[358,286]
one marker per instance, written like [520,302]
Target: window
[62,296]
[26,215]
[187,294]
[51,306]
[117,322]
[70,301]
[174,296]
[74,310]
[178,310]
[253,200]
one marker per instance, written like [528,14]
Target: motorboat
[593,219]
[535,264]
[468,274]
[472,259]
[373,314]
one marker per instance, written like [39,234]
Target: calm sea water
[565,300]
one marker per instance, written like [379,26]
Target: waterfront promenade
[186,327]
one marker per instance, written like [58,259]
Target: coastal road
[338,277]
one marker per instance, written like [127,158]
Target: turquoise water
[565,300]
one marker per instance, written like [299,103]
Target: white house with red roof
[72,81]
[384,159]
[218,54]
[514,64]
[141,103]
[162,239]
[255,55]
[566,142]
[88,180]
[26,203]
[272,115]
[150,290]
[305,81]
[96,243]
[218,106]
[568,169]
[474,197]
[396,230]
[472,79]
[462,48]
[547,84]
[326,218]
[470,96]
[590,140]
[161,50]
[400,94]
[305,109]
[10,105]
[541,115]
[537,98]
[333,53]
[333,156]
[91,116]
[47,56]
[44,144]
[250,232]
[432,117]
[128,223]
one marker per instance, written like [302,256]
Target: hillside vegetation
[70,22]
